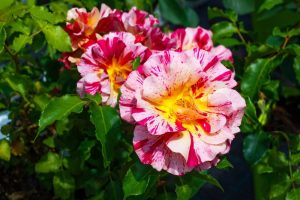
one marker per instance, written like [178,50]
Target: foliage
[53,136]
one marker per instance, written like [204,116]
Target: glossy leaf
[104,118]
[241,7]
[64,185]
[174,12]
[4,150]
[2,38]
[223,29]
[133,186]
[224,164]
[59,108]
[296,67]
[293,194]
[255,145]
[55,36]
[269,4]
[210,179]
[183,192]
[257,73]
[50,162]
[20,42]
[5,3]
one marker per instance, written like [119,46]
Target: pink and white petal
[218,138]
[226,101]
[180,143]
[104,10]
[216,122]
[222,53]
[127,100]
[208,152]
[80,87]
[152,150]
[73,13]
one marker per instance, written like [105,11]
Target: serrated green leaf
[64,185]
[210,179]
[4,150]
[136,63]
[174,11]
[104,118]
[293,194]
[223,29]
[183,192]
[269,4]
[55,36]
[255,145]
[257,74]
[20,42]
[241,6]
[296,176]
[85,149]
[42,13]
[216,12]
[5,3]
[280,185]
[295,158]
[50,162]
[2,38]
[19,83]
[296,67]
[224,164]
[49,141]
[133,186]
[59,108]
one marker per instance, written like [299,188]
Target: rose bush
[142,92]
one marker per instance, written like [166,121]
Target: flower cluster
[180,98]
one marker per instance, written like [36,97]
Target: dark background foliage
[50,147]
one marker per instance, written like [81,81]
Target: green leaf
[50,162]
[85,149]
[5,3]
[296,67]
[257,74]
[2,38]
[49,141]
[64,185]
[241,6]
[279,186]
[216,12]
[255,145]
[296,176]
[223,29]
[132,185]
[20,42]
[210,179]
[4,150]
[183,192]
[136,63]
[293,194]
[269,4]
[295,158]
[59,108]
[270,89]
[104,118]
[19,83]
[55,36]
[228,42]
[42,13]
[224,164]
[41,101]
[173,11]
